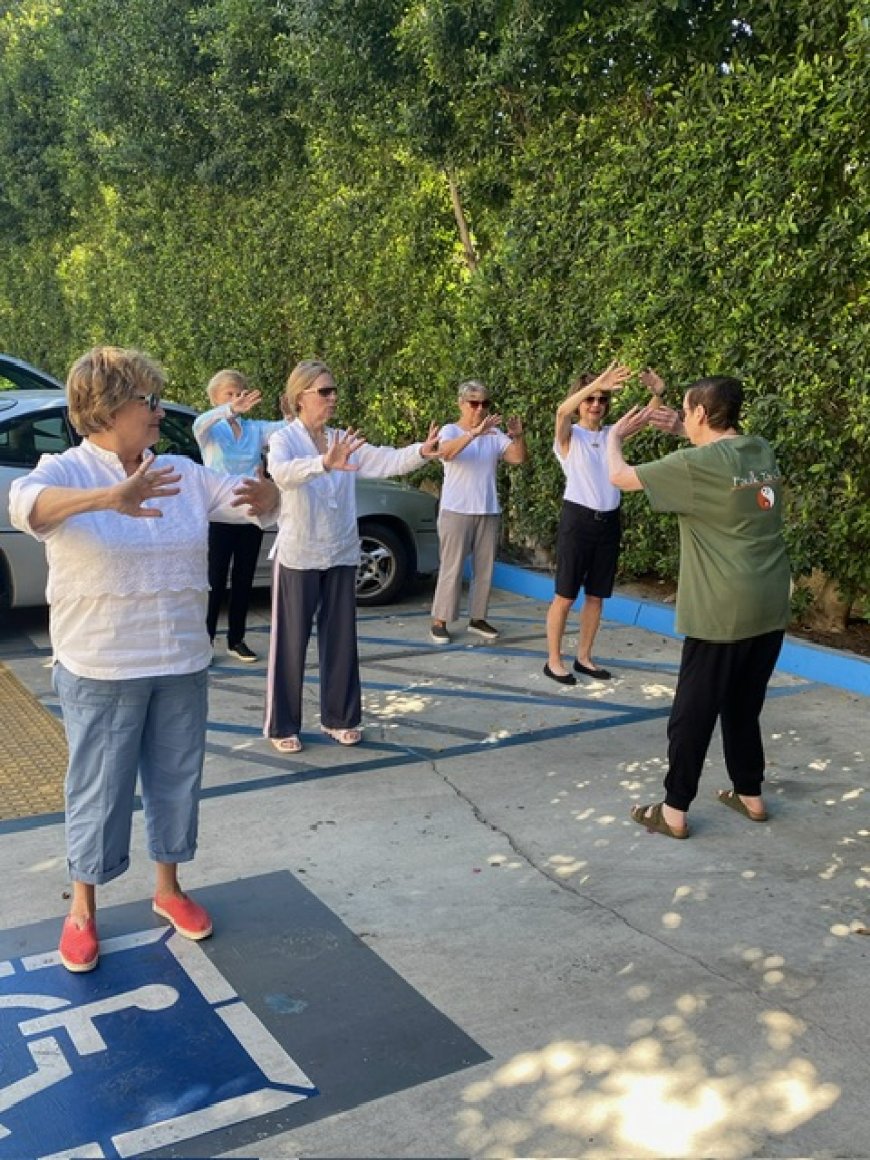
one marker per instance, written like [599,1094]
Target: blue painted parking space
[157,1049]
[285,1016]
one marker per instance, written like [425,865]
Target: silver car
[397,522]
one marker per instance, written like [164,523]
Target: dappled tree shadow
[662,1092]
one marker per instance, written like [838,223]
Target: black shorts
[587,551]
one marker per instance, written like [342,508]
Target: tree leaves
[682,183]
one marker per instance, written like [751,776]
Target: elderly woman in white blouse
[469,517]
[125,536]
[316,555]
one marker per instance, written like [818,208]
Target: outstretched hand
[245,402]
[429,447]
[259,495]
[613,378]
[487,423]
[514,427]
[667,419]
[633,421]
[147,482]
[340,449]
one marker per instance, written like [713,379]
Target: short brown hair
[103,380]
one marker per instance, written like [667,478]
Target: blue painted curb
[844,670]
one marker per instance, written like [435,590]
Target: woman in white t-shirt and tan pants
[470,515]
[587,549]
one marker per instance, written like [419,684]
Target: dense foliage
[423,192]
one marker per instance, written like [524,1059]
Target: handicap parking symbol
[154,1048]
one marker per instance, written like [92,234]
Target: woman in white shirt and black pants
[316,554]
[236,446]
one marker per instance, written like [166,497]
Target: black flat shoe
[596,674]
[562,678]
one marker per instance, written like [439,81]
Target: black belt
[592,514]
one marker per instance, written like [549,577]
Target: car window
[176,436]
[15,378]
[25,438]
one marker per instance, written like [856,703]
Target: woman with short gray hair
[469,517]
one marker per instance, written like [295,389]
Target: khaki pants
[460,536]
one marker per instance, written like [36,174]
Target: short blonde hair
[303,375]
[103,380]
[226,376]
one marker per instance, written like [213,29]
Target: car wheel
[383,567]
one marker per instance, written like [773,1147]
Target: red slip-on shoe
[187,916]
[79,947]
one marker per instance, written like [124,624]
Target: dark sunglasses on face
[479,402]
[152,401]
[324,392]
[602,399]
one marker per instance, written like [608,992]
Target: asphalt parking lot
[463,942]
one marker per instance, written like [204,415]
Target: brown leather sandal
[728,797]
[655,821]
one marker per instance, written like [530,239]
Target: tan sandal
[343,736]
[655,821]
[287,744]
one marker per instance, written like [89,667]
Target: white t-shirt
[585,467]
[128,596]
[469,478]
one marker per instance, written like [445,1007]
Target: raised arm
[449,448]
[517,453]
[609,380]
[622,475]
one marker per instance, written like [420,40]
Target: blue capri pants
[153,727]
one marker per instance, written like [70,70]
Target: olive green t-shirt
[734,574]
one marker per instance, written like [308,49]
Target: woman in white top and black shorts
[587,549]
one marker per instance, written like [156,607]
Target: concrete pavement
[605,992]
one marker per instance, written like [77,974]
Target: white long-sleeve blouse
[317,526]
[128,596]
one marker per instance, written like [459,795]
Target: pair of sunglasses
[602,399]
[324,392]
[152,401]
[479,402]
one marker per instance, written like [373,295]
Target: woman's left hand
[340,449]
[429,447]
[514,427]
[259,495]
